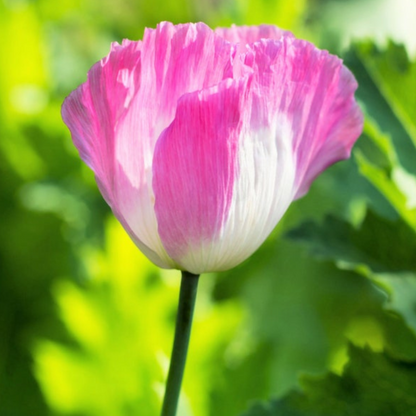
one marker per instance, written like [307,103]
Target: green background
[320,320]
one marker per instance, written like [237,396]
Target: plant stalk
[187,297]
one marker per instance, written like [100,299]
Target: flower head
[200,139]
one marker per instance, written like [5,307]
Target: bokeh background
[86,322]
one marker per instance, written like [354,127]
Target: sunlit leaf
[395,75]
[402,297]
[386,174]
[366,61]
[121,321]
[389,188]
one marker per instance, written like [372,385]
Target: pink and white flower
[200,139]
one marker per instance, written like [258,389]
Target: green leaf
[395,76]
[381,145]
[377,160]
[378,245]
[373,384]
[381,249]
[402,295]
[391,190]
[380,91]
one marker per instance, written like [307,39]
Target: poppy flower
[201,139]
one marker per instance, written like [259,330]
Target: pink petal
[315,93]
[95,106]
[93,110]
[222,181]
[194,170]
[177,60]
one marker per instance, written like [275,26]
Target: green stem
[187,297]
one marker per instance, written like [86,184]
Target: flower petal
[194,169]
[181,59]
[220,185]
[315,92]
[92,109]
[92,113]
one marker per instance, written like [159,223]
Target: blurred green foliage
[364,389]
[86,322]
